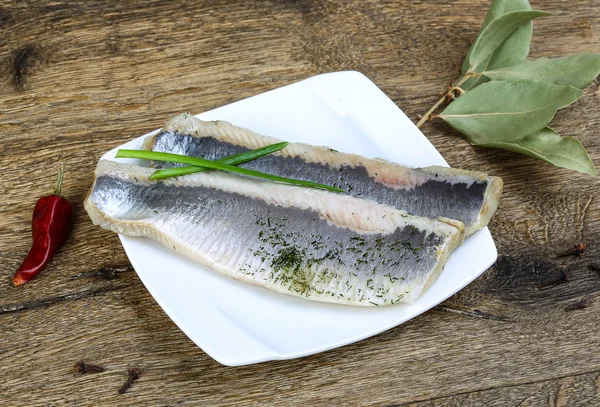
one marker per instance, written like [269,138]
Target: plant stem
[458,89]
[439,102]
[201,162]
[430,111]
[236,159]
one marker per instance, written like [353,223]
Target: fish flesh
[468,196]
[305,242]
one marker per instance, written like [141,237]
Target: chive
[236,159]
[201,162]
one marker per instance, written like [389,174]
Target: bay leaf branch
[507,101]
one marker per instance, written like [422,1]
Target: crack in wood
[525,400]
[556,277]
[21,65]
[579,305]
[560,399]
[45,302]
[104,273]
[5,18]
[473,314]
[533,281]
[491,388]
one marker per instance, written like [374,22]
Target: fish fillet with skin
[468,196]
[305,242]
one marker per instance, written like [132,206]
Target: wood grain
[78,78]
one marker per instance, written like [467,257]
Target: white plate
[239,324]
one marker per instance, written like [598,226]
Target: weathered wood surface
[78,78]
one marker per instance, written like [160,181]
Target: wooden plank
[570,391]
[438,354]
[78,78]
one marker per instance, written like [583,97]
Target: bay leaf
[549,146]
[577,70]
[496,32]
[513,50]
[507,111]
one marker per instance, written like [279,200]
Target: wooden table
[78,78]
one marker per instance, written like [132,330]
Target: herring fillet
[309,243]
[468,196]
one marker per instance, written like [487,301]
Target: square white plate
[239,324]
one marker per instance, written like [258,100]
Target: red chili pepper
[50,226]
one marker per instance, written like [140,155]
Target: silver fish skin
[309,243]
[468,196]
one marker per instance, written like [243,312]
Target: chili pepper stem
[59,181]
